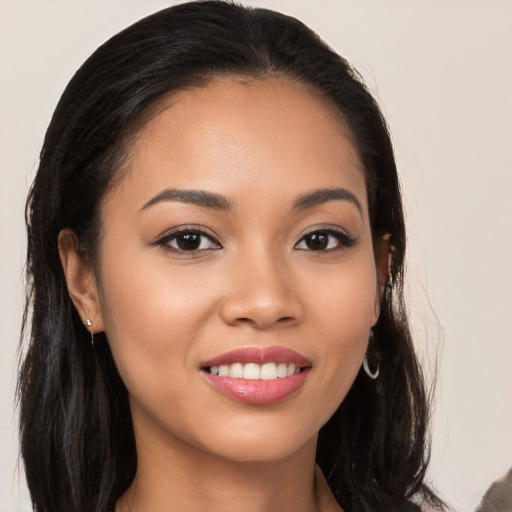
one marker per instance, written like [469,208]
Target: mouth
[255,371]
[258,376]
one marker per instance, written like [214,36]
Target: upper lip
[258,355]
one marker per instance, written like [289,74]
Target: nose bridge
[261,291]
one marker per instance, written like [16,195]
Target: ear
[383,261]
[81,281]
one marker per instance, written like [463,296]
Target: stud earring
[366,366]
[88,323]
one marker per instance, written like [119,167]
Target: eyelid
[325,227]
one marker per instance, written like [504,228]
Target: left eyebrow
[197,197]
[321,196]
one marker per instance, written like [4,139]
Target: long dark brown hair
[77,440]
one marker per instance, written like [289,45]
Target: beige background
[442,71]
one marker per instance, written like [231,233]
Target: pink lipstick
[257,375]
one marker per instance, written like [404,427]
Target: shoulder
[499,496]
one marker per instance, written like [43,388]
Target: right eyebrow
[321,196]
[197,197]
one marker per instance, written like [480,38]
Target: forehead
[271,136]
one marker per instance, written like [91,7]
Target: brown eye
[325,240]
[317,241]
[190,241]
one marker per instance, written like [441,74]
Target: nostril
[259,312]
[285,320]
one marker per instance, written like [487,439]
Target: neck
[178,477]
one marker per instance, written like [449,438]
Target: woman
[216,248]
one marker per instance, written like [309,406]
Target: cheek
[344,314]
[153,316]
[344,298]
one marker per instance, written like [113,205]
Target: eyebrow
[321,196]
[219,202]
[197,197]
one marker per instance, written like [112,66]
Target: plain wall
[442,72]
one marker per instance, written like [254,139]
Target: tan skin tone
[252,281]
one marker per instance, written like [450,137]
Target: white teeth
[237,371]
[282,370]
[268,371]
[253,371]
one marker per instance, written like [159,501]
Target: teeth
[268,371]
[282,370]
[237,371]
[253,371]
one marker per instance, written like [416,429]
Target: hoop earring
[88,323]
[366,366]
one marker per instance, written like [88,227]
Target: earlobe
[80,280]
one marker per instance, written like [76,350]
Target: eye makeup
[328,238]
[192,239]
[187,239]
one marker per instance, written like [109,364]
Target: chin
[263,450]
[265,440]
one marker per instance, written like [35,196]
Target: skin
[261,145]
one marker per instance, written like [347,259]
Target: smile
[254,371]
[257,376]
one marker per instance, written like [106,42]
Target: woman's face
[237,244]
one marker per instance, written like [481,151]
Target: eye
[325,240]
[189,240]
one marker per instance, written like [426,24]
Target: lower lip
[258,392]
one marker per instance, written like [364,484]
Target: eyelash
[166,240]
[343,239]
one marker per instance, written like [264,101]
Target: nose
[262,294]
